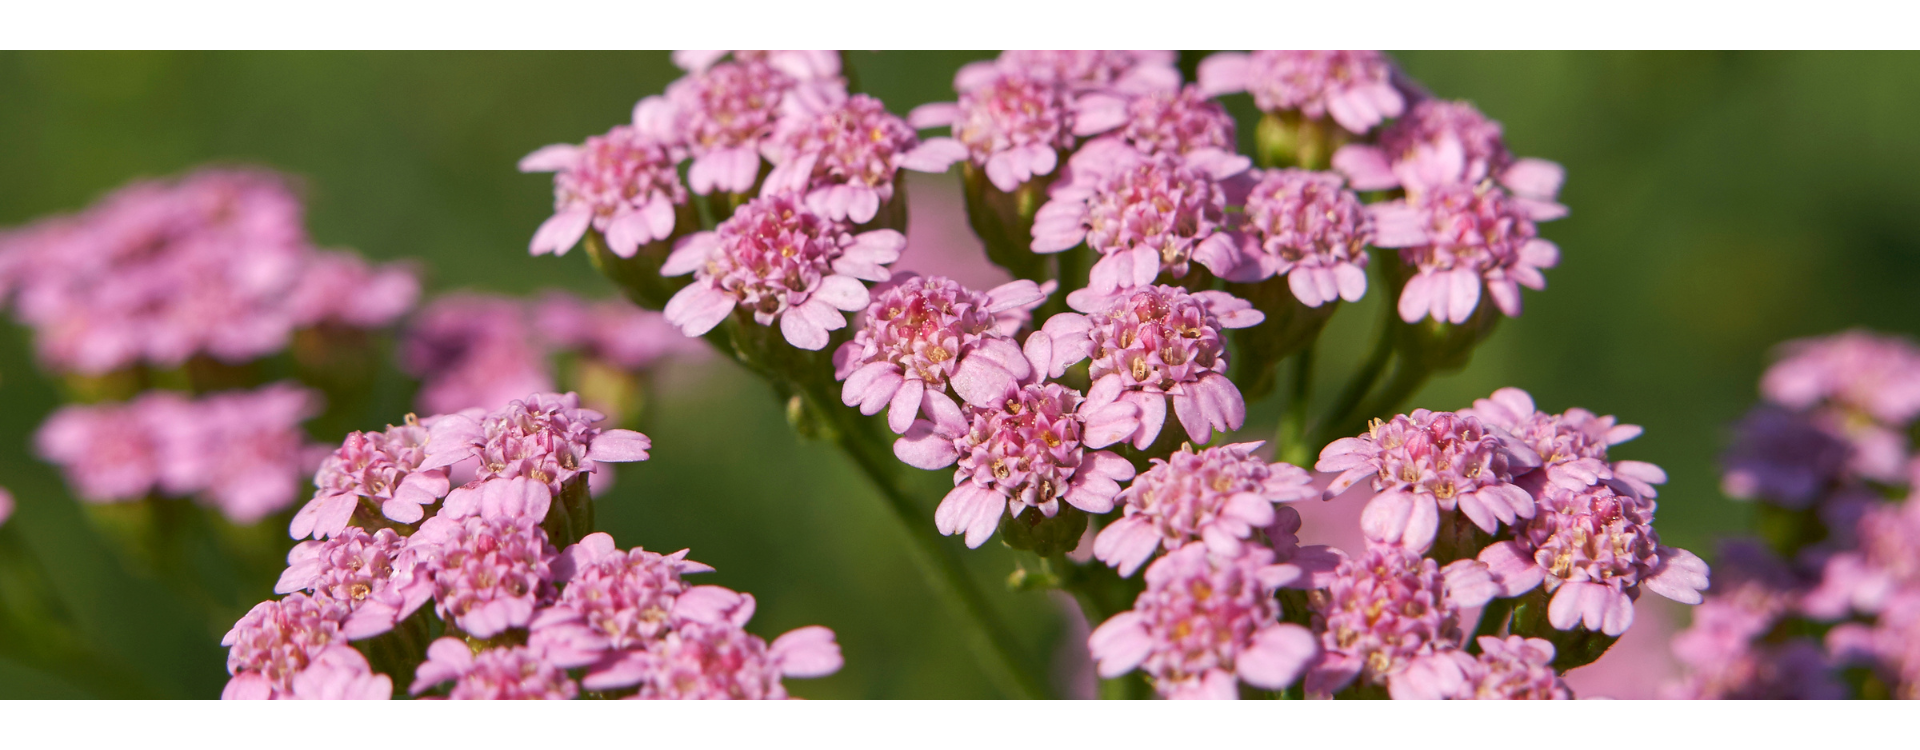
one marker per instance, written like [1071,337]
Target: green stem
[1333,422]
[1407,379]
[1291,438]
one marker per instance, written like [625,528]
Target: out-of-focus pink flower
[1155,344]
[1182,122]
[1891,646]
[1218,496]
[6,505]
[276,640]
[923,333]
[1442,143]
[1386,608]
[381,466]
[508,673]
[1205,623]
[1308,227]
[1426,462]
[1595,548]
[842,160]
[1145,215]
[1457,237]
[108,452]
[489,573]
[1353,86]
[242,452]
[1128,72]
[1855,371]
[1513,668]
[613,331]
[1724,652]
[1014,126]
[545,437]
[1572,446]
[724,111]
[779,261]
[473,351]
[613,600]
[1884,562]
[623,184]
[342,288]
[1783,458]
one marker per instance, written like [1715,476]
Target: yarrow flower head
[1014,126]
[1156,344]
[545,437]
[1355,87]
[1859,372]
[926,332]
[1132,72]
[1183,122]
[1307,227]
[383,467]
[723,112]
[613,600]
[501,673]
[343,289]
[1205,623]
[1457,237]
[473,351]
[1441,143]
[779,261]
[489,573]
[1425,462]
[278,639]
[107,452]
[1387,608]
[1595,549]
[1883,563]
[842,160]
[1511,668]
[720,661]
[1144,215]
[1783,458]
[622,184]
[1572,446]
[1218,496]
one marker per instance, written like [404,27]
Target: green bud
[1044,536]
[1290,327]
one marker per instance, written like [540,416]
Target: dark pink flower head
[348,568]
[383,467]
[1457,236]
[779,261]
[1441,142]
[612,600]
[1218,496]
[623,184]
[613,331]
[1182,122]
[1572,446]
[1145,215]
[1595,548]
[545,437]
[243,452]
[488,573]
[1203,621]
[505,673]
[343,289]
[1426,462]
[842,160]
[1386,608]
[276,640]
[1158,343]
[107,452]
[924,333]
[1353,86]
[722,114]
[720,661]
[1014,126]
[1308,227]
[473,351]
[1782,458]
[1854,372]
[1083,70]
[1511,668]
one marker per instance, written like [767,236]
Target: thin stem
[1333,422]
[1291,438]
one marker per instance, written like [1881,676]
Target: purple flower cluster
[215,263]
[242,452]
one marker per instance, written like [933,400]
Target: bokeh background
[1721,203]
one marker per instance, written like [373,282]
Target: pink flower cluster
[1387,608]
[523,619]
[1307,227]
[613,332]
[1219,496]
[1355,87]
[215,263]
[242,452]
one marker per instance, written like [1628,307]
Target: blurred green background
[1721,203]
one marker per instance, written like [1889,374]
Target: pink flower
[1354,86]
[612,600]
[510,673]
[339,673]
[1595,548]
[242,452]
[1440,143]
[1386,609]
[722,113]
[1014,126]
[1783,458]
[1145,215]
[348,568]
[1457,236]
[343,289]
[1426,462]
[1204,620]
[1883,563]
[613,331]
[1572,446]
[779,261]
[1891,647]
[545,437]
[1513,668]
[108,452]
[843,159]
[381,466]
[1156,344]
[1180,122]
[623,184]
[1726,652]
[473,351]
[719,661]
[1874,375]
[276,640]
[1132,72]
[488,573]
[924,332]
[6,505]
[1218,496]
[1306,226]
